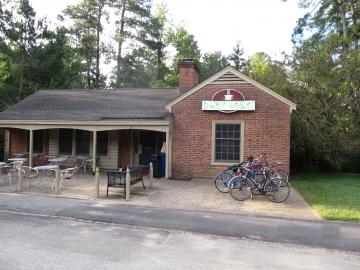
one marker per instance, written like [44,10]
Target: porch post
[97,183]
[31,146]
[73,144]
[94,151]
[131,147]
[167,153]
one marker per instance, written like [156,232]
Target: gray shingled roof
[92,105]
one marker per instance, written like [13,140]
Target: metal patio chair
[29,174]
[68,174]
[13,170]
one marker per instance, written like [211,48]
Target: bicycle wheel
[222,181]
[277,190]
[240,188]
[282,174]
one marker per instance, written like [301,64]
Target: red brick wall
[188,76]
[266,130]
[18,139]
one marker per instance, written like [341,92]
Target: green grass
[333,196]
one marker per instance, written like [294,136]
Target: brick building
[200,128]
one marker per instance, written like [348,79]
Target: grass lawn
[333,196]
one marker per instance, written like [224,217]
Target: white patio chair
[29,174]
[88,165]
[81,162]
[13,171]
[68,174]
[4,173]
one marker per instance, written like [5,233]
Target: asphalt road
[322,234]
[40,242]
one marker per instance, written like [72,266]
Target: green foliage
[153,36]
[86,31]
[134,21]
[21,32]
[325,72]
[211,63]
[237,59]
[185,44]
[32,56]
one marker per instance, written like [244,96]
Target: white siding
[53,141]
[110,161]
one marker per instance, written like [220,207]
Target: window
[65,141]
[102,140]
[38,141]
[227,145]
[82,142]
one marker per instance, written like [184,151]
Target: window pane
[102,140]
[38,141]
[65,141]
[82,142]
[227,142]
[218,128]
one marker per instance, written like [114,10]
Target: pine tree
[132,16]
[87,28]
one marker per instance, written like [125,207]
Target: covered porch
[109,145]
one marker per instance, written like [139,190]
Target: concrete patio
[200,195]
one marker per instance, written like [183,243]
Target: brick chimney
[188,75]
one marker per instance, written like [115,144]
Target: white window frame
[242,128]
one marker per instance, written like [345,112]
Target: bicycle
[244,186]
[273,169]
[222,179]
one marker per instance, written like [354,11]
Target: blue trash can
[163,164]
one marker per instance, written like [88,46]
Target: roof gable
[230,75]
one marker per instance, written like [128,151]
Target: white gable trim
[212,79]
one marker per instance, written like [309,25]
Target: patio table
[19,155]
[56,161]
[18,159]
[46,169]
[50,157]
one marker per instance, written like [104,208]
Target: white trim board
[212,79]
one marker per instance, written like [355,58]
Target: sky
[260,25]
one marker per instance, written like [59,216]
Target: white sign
[227,105]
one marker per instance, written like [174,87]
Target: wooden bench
[116,179]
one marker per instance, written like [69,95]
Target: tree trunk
[159,63]
[98,28]
[120,43]
[21,87]
[353,13]
[343,17]
[88,74]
